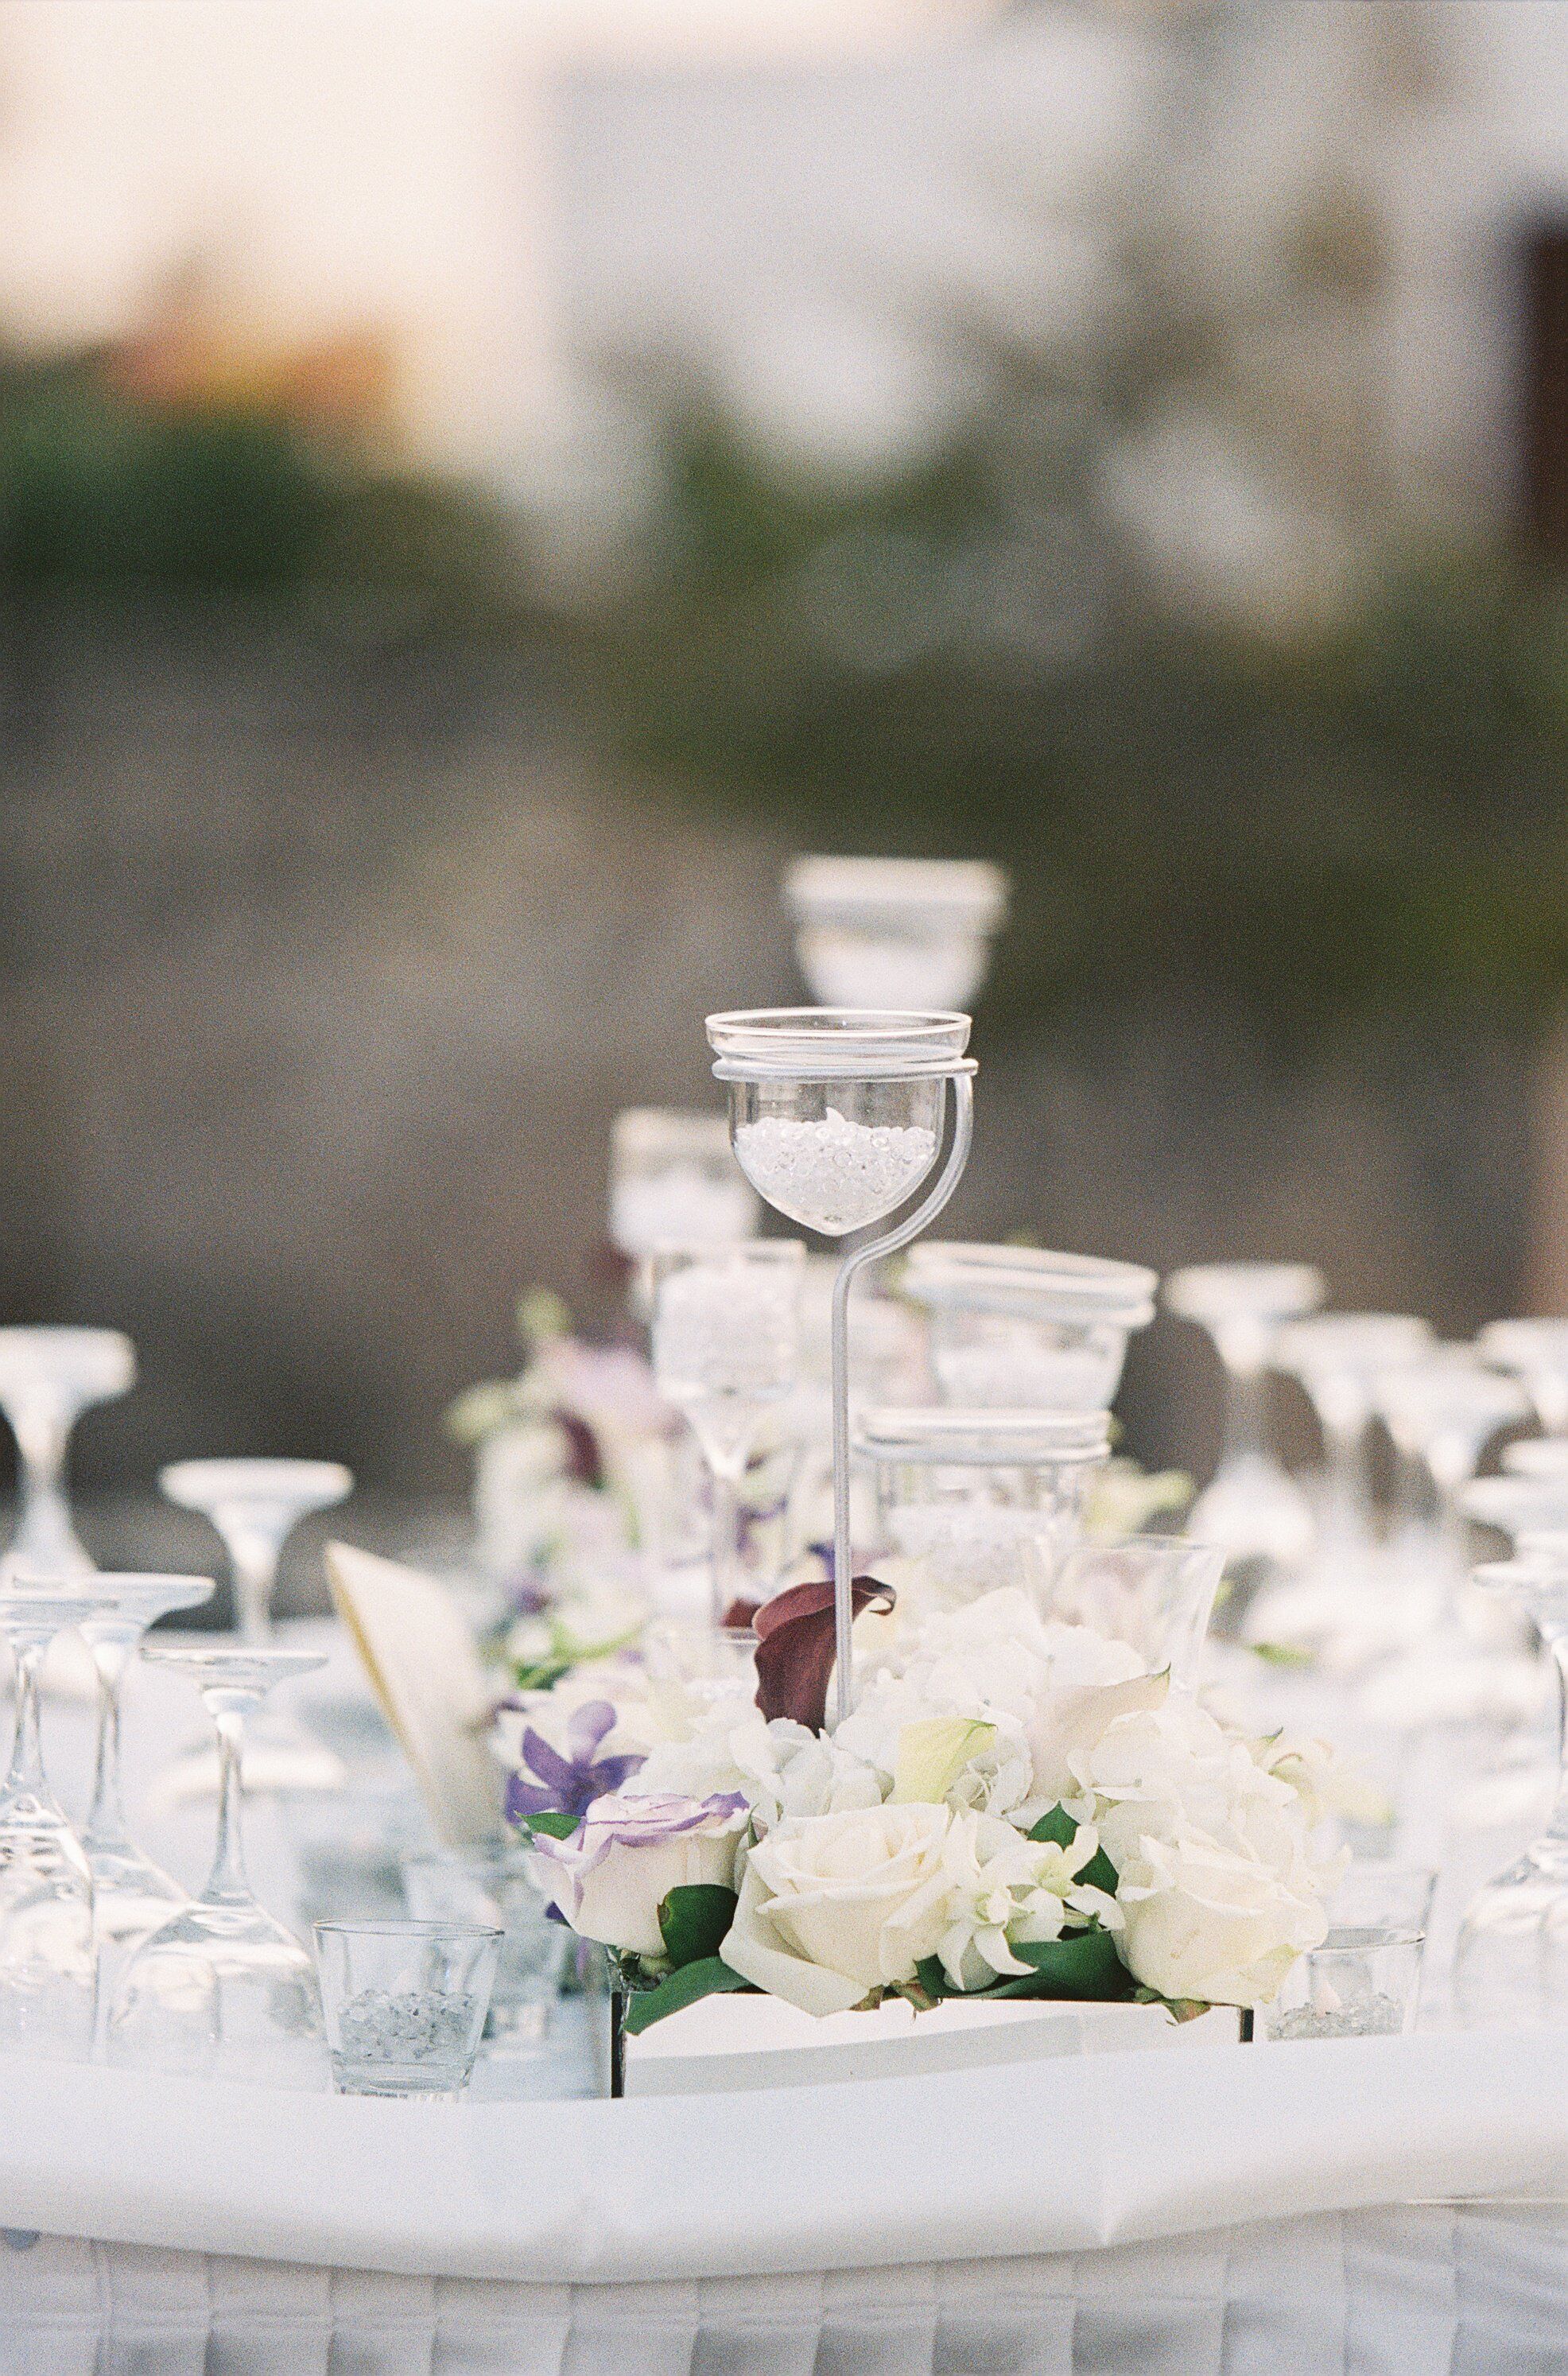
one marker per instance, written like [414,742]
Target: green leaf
[708,1978]
[555,1823]
[934,1981]
[1083,1965]
[695,1921]
[1059,1827]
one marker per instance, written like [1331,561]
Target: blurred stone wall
[325,966]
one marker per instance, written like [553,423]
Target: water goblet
[221,1990]
[404,2004]
[1154,1592]
[1334,1357]
[254,1506]
[131,1894]
[1251,1508]
[893,931]
[48,1967]
[726,1350]
[48,1377]
[673,1182]
[1535,1351]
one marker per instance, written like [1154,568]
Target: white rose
[610,1880]
[832,1906]
[1157,1772]
[1203,1922]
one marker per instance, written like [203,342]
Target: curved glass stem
[962,1086]
[226,1884]
[1556,1827]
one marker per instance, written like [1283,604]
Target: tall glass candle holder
[837,1116]
[914,932]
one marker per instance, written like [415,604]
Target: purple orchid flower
[568,1785]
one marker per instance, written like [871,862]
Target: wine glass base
[221,1992]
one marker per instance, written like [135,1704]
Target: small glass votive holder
[1364,1982]
[404,2004]
[1373,1896]
[491,1885]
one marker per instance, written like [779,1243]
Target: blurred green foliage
[1348,835]
[106,495]
[1359,832]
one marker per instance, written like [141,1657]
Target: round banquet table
[1389,2206]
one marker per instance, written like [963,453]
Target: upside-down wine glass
[48,1377]
[1442,1411]
[48,1967]
[221,1990]
[1251,1508]
[1535,1351]
[253,1506]
[726,1350]
[1334,1357]
[895,933]
[131,1894]
[1510,1962]
[838,1116]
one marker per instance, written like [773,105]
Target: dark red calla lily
[795,1647]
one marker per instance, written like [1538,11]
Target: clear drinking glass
[1154,1592]
[726,1350]
[673,1182]
[491,1885]
[254,1506]
[1510,1962]
[1021,1328]
[404,2004]
[983,1498]
[1537,1353]
[48,1377]
[893,931]
[1335,1357]
[47,1965]
[1251,1509]
[1364,1982]
[131,1894]
[222,1990]
[1374,1895]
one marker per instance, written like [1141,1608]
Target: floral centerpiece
[1013,1808]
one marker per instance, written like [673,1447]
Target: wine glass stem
[106,1817]
[728,1570]
[1349,1502]
[1243,1413]
[254,1570]
[43,1520]
[227,1880]
[1557,1829]
[27,1748]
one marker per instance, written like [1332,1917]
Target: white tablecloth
[1395,2291]
[1237,2211]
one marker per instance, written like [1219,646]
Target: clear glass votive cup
[1364,1982]
[491,1885]
[1374,1895]
[404,2004]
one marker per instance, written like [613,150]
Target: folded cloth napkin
[1037,2157]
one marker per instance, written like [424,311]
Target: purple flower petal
[590,1724]
[546,1762]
